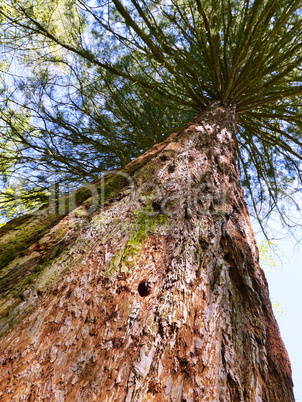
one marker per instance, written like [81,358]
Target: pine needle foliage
[109,79]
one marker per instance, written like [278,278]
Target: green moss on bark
[145,222]
[24,237]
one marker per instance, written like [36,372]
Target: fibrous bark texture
[155,295]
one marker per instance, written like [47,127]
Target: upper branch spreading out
[113,78]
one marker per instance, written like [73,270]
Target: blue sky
[285,284]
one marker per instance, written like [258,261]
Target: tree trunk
[157,295]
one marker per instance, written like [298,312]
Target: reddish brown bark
[157,296]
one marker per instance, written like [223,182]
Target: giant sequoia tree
[145,284]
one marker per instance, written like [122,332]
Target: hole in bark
[144,288]
[171,169]
[156,206]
